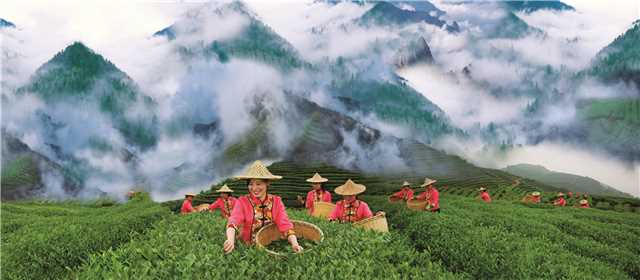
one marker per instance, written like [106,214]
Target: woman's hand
[230,243]
[293,240]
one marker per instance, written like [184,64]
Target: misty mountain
[415,52]
[566,181]
[25,173]
[386,13]
[79,76]
[420,6]
[511,26]
[611,124]
[254,41]
[6,24]
[620,60]
[533,6]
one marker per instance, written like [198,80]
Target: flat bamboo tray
[303,230]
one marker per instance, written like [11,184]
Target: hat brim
[242,177]
[323,180]
[429,183]
[358,190]
[224,191]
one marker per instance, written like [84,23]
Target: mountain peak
[385,13]
[6,23]
[533,6]
[78,55]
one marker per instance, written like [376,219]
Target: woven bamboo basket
[303,230]
[394,199]
[201,207]
[322,209]
[376,223]
[419,205]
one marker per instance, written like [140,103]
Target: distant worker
[584,203]
[484,195]
[317,192]
[186,205]
[406,193]
[534,197]
[225,202]
[350,209]
[431,195]
[560,201]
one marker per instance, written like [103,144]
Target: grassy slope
[571,182]
[22,171]
[613,124]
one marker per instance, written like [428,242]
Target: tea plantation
[469,239]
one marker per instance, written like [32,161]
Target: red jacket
[432,196]
[560,202]
[406,194]
[186,207]
[485,196]
[313,196]
[225,208]
[350,212]
[252,214]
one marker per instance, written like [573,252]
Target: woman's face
[224,195]
[258,187]
[349,198]
[316,186]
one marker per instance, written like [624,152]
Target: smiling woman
[258,209]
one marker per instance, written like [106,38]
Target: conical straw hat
[482,189]
[317,179]
[584,201]
[189,194]
[224,189]
[560,194]
[535,193]
[428,181]
[406,184]
[257,170]
[350,188]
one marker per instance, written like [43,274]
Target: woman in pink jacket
[431,195]
[406,193]
[225,202]
[186,204]
[317,193]
[350,209]
[258,209]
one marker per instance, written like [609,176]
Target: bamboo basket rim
[417,204]
[201,207]
[376,217]
[327,208]
[294,222]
